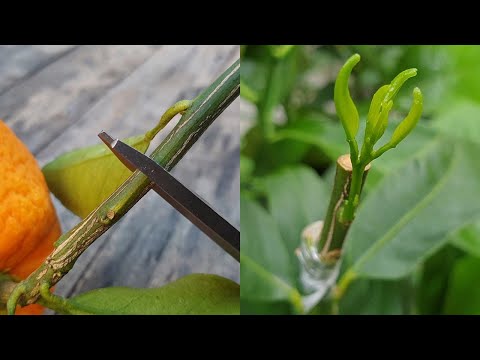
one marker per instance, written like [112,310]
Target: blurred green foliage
[415,244]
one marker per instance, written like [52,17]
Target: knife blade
[185,201]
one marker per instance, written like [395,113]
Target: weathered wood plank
[44,105]
[153,244]
[18,62]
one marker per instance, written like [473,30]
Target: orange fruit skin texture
[29,225]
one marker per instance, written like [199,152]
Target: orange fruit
[28,222]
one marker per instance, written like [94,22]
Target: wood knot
[107,218]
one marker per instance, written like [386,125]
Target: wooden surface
[57,98]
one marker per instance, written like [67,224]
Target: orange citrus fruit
[28,222]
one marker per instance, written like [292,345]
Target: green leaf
[286,152]
[196,294]
[280,51]
[463,297]
[374,297]
[246,168]
[346,109]
[324,307]
[248,93]
[413,209]
[397,83]
[374,110]
[254,75]
[82,179]
[278,74]
[322,133]
[265,308]
[243,48]
[296,197]
[382,122]
[267,269]
[467,238]
[435,275]
[465,67]
[460,120]
[415,143]
[407,125]
[377,119]
[269,156]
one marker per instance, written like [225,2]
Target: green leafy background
[415,243]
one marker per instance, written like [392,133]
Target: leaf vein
[407,217]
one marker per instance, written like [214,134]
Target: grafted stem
[336,224]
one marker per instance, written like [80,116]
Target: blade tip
[107,139]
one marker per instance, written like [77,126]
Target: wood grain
[18,62]
[124,90]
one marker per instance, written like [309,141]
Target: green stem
[352,143]
[359,174]
[343,285]
[383,149]
[248,93]
[178,108]
[57,303]
[354,193]
[336,223]
[200,115]
[270,98]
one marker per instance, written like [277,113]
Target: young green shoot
[377,121]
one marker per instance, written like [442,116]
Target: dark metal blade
[180,197]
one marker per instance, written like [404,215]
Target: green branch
[336,225]
[199,116]
[270,99]
[178,108]
[57,303]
